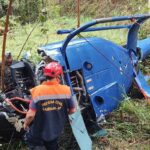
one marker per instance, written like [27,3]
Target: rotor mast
[78,13]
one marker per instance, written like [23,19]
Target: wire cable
[9,101]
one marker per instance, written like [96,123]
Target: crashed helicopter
[98,71]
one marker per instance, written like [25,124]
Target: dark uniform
[51,101]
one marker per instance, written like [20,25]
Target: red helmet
[53,69]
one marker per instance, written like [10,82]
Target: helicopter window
[120,62]
[99,100]
[88,65]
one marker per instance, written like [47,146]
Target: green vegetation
[129,127]
[45,32]
[13,145]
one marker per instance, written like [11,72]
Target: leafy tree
[28,11]
[3,7]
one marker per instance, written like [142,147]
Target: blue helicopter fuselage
[106,69]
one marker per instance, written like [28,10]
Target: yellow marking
[58,105]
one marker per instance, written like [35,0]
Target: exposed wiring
[20,99]
[9,101]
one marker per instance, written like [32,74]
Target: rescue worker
[49,108]
[8,59]
[8,62]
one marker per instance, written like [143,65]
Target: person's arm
[72,106]
[30,115]
[72,110]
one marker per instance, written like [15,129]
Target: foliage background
[30,10]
